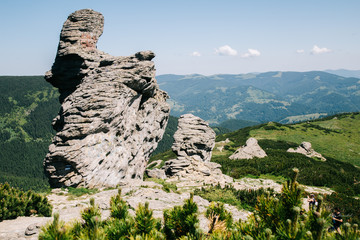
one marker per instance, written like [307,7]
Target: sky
[192,36]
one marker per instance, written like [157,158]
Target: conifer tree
[55,230]
[181,220]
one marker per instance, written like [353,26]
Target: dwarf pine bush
[55,230]
[219,217]
[181,220]
[15,202]
[119,208]
[277,217]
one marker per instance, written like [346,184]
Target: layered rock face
[112,115]
[194,141]
[249,151]
[194,138]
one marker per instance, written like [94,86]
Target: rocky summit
[113,113]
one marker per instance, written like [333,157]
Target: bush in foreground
[15,202]
[275,217]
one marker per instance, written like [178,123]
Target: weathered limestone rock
[194,138]
[194,141]
[156,173]
[249,151]
[113,113]
[306,149]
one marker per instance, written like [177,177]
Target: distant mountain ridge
[345,72]
[262,97]
[29,103]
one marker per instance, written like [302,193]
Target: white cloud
[300,51]
[226,51]
[196,54]
[317,50]
[251,53]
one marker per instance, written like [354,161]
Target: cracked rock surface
[113,113]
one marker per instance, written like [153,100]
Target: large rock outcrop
[112,115]
[193,143]
[193,138]
[306,149]
[250,150]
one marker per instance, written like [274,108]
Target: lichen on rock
[113,113]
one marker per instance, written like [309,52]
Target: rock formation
[306,149]
[194,138]
[112,115]
[249,151]
[156,173]
[193,143]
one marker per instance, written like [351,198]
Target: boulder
[250,150]
[306,149]
[32,229]
[156,173]
[112,113]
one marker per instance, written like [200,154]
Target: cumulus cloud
[226,51]
[318,50]
[300,51]
[196,54]
[251,53]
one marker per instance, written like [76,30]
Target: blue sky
[192,36]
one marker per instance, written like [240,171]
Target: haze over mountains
[262,97]
[345,72]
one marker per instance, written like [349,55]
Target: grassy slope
[336,137]
[275,139]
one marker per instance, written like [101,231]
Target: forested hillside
[28,105]
[261,97]
[168,137]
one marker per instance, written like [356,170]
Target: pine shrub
[181,220]
[119,208]
[55,230]
[219,217]
[15,202]
[144,221]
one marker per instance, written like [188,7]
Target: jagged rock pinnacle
[113,113]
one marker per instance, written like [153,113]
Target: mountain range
[261,97]
[28,104]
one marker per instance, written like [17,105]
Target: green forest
[28,105]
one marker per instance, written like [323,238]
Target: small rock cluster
[306,149]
